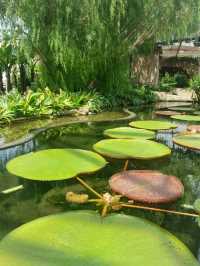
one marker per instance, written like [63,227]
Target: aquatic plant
[188,140]
[187,117]
[153,125]
[129,133]
[83,238]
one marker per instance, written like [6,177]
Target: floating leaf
[147,186]
[129,133]
[197,113]
[191,141]
[194,128]
[129,148]
[153,125]
[166,113]
[182,109]
[84,238]
[187,117]
[55,164]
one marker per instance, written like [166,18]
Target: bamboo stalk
[89,187]
[159,210]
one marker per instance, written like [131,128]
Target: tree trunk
[8,79]
[23,80]
[1,82]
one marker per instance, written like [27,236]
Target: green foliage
[167,82]
[84,44]
[46,102]
[196,205]
[195,85]
[181,80]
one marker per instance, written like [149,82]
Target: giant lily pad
[191,141]
[147,186]
[187,117]
[153,125]
[196,113]
[194,128]
[181,109]
[129,148]
[166,113]
[129,133]
[55,164]
[84,238]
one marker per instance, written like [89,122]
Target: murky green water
[41,198]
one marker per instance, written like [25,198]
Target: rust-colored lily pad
[167,113]
[194,128]
[147,186]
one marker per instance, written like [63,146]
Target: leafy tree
[88,43]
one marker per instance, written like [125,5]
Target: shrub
[46,102]
[195,85]
[167,82]
[181,80]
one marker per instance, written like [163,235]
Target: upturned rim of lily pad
[103,147]
[55,164]
[84,238]
[182,143]
[167,113]
[155,125]
[129,133]
[188,118]
[181,109]
[147,186]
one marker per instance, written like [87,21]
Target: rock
[179,95]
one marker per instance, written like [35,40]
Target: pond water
[43,198]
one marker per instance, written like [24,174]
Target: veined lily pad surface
[187,117]
[153,125]
[129,148]
[129,133]
[147,186]
[84,238]
[55,164]
[191,141]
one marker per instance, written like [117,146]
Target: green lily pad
[182,109]
[191,141]
[129,133]
[55,164]
[153,125]
[129,148]
[197,113]
[84,238]
[187,117]
[166,113]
